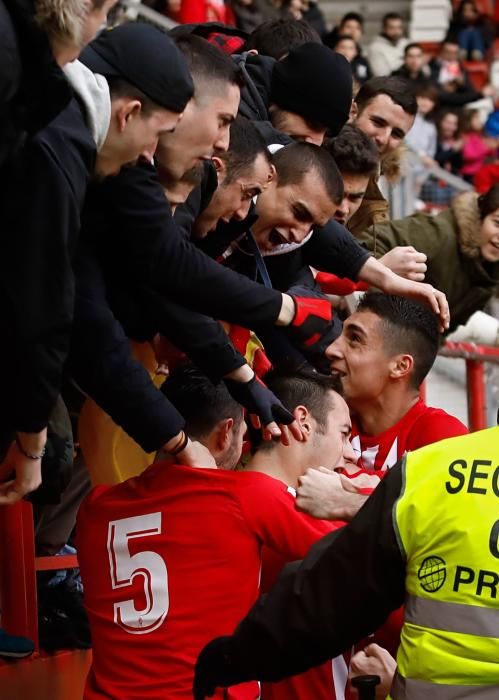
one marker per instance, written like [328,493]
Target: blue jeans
[471,39]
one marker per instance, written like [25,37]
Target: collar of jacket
[465,210]
[391,164]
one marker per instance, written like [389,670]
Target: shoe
[14,647]
[476,55]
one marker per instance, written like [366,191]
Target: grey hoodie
[93,92]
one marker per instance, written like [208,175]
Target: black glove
[313,316]
[259,400]
[213,669]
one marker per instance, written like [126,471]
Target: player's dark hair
[398,90]
[208,65]
[306,388]
[407,327]
[293,162]
[277,37]
[353,151]
[246,144]
[202,403]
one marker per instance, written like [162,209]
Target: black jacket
[40,204]
[421,80]
[330,249]
[131,257]
[33,89]
[256,95]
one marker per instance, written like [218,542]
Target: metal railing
[475,357]
[402,195]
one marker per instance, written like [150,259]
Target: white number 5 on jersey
[125,567]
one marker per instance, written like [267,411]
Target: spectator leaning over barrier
[384,109]
[118,268]
[461,246]
[386,51]
[304,95]
[243,173]
[288,212]
[96,134]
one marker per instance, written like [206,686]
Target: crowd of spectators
[203,205]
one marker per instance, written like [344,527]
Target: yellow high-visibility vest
[447,522]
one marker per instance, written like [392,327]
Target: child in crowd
[477,147]
[346,45]
[448,156]
[422,137]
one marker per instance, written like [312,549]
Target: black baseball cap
[145,57]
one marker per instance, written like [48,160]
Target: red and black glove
[313,317]
[258,400]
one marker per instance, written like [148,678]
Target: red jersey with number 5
[170,560]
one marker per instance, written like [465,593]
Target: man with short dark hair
[205,126]
[386,51]
[243,173]
[357,159]
[197,537]
[318,407]
[351,24]
[303,195]
[414,69]
[277,37]
[385,110]
[385,351]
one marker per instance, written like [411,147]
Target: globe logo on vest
[432,574]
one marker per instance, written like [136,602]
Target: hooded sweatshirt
[40,203]
[93,93]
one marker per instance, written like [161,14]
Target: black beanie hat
[147,58]
[315,83]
